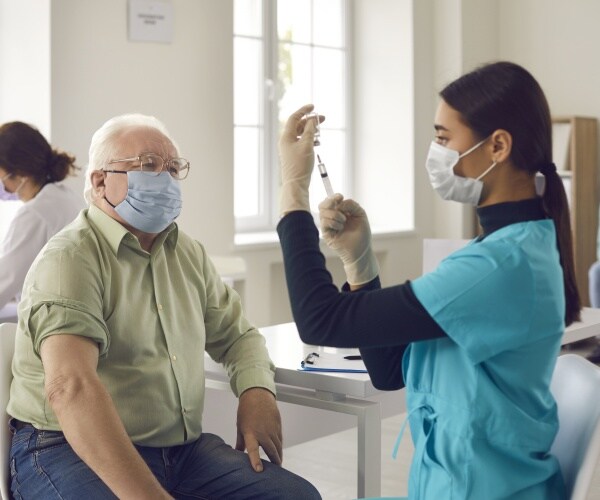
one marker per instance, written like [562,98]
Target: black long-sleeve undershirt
[380,321]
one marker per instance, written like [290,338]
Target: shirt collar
[494,217]
[115,233]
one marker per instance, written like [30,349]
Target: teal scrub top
[480,409]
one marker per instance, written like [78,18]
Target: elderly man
[116,314]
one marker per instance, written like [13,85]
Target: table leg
[369,451]
[368,414]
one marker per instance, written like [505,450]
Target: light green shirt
[152,316]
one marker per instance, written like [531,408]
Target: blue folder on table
[328,362]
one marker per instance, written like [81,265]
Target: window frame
[268,126]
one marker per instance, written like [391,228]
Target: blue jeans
[44,466]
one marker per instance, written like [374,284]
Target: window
[286,53]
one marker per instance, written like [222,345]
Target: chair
[7,348]
[576,388]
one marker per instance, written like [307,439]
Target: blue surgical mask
[4,194]
[152,201]
[440,167]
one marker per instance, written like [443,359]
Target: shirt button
[160,307]
[174,357]
[184,411]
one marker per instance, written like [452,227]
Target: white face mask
[440,167]
[4,194]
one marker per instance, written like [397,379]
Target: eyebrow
[440,127]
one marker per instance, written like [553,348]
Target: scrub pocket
[428,478]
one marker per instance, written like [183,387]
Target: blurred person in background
[32,171]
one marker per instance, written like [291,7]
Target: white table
[589,326]
[8,314]
[347,392]
[340,392]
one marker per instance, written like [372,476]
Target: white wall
[466,35]
[558,42]
[24,73]
[383,125]
[25,62]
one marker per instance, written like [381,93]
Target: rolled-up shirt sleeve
[64,297]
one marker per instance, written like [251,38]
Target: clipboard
[327,362]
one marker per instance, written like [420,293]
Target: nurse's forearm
[370,317]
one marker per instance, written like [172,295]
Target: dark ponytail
[557,207]
[24,151]
[60,165]
[504,95]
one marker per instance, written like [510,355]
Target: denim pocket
[48,440]
[22,436]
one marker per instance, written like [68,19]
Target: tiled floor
[330,462]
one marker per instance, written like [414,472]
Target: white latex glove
[345,228]
[297,159]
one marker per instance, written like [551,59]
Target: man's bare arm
[89,419]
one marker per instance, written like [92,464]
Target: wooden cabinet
[579,170]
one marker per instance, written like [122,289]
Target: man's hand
[259,424]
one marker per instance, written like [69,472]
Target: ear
[97,179]
[501,142]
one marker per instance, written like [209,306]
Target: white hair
[102,147]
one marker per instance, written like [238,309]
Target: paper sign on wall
[151,21]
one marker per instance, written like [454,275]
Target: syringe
[325,177]
[317,142]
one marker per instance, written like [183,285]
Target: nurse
[476,340]
[31,171]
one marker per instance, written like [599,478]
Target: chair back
[576,388]
[7,348]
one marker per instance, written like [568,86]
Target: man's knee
[290,486]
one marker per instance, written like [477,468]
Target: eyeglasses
[310,359]
[153,164]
